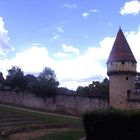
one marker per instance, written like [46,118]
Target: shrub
[112,125]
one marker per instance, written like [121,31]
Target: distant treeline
[46,84]
[96,88]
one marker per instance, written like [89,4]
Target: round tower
[121,69]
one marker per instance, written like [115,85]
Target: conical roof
[121,51]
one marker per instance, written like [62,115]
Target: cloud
[55,36]
[133,38]
[72,72]
[94,10]
[59,29]
[57,33]
[132,7]
[67,51]
[61,55]
[86,14]
[70,49]
[32,60]
[91,65]
[5,46]
[69,5]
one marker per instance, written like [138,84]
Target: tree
[80,90]
[15,78]
[31,82]
[96,88]
[2,80]
[47,83]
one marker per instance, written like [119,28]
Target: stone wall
[119,66]
[72,104]
[133,99]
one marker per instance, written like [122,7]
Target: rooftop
[121,51]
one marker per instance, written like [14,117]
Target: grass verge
[67,135]
[75,125]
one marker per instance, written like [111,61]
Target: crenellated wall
[119,66]
[72,104]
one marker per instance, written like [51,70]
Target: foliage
[15,78]
[62,90]
[112,125]
[100,89]
[47,83]
[44,85]
[31,82]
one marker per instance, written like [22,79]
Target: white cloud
[59,29]
[70,49]
[86,14]
[61,54]
[85,68]
[133,38]
[57,33]
[5,46]
[132,7]
[55,36]
[67,51]
[94,10]
[69,5]
[71,72]
[32,60]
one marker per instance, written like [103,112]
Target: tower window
[122,62]
[126,78]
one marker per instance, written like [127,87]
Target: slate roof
[121,51]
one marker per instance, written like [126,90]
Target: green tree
[31,82]
[15,78]
[47,83]
[96,88]
[80,90]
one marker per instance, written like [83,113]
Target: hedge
[112,125]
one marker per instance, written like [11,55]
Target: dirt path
[40,112]
[35,134]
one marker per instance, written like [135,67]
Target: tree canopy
[15,78]
[43,85]
[96,88]
[46,84]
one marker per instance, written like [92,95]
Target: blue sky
[73,37]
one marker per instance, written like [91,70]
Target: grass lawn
[75,125]
[68,135]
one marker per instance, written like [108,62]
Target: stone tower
[121,69]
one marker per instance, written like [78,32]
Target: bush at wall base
[112,124]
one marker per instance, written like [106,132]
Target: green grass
[75,125]
[68,135]
[72,122]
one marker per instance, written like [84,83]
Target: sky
[72,37]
